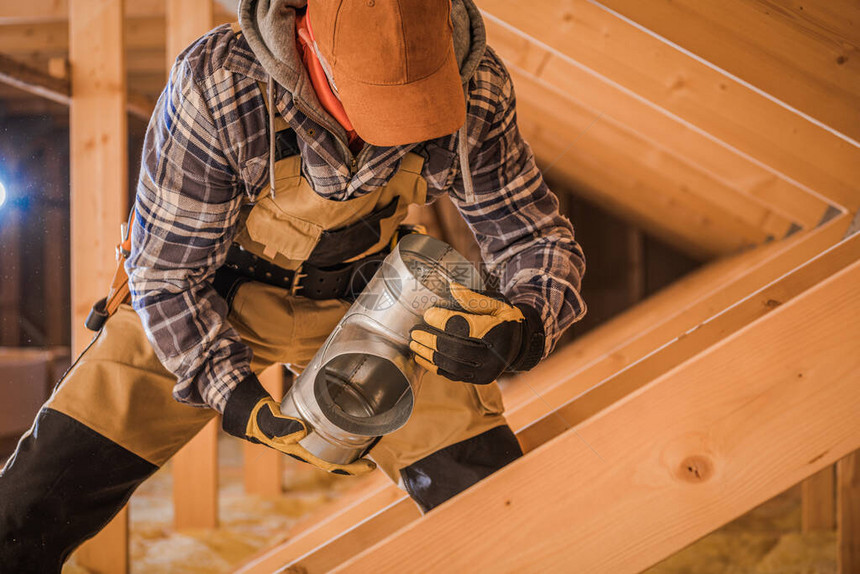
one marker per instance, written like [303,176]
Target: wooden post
[635,265]
[818,510]
[187,20]
[10,281]
[54,253]
[263,466]
[848,513]
[195,480]
[195,467]
[99,180]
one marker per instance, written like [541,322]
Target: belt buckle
[294,287]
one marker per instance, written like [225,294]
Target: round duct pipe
[362,382]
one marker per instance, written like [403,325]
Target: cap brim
[391,115]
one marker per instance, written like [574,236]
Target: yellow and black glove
[481,341]
[252,414]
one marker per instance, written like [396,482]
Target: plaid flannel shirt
[206,151]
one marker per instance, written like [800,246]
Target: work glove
[477,343]
[252,414]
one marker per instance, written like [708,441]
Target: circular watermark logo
[375,285]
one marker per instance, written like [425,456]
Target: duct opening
[363,394]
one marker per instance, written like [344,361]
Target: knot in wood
[696,468]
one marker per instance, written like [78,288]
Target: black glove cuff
[533,341]
[240,403]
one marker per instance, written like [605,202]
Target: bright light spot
[2,194]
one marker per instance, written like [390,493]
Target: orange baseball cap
[392,63]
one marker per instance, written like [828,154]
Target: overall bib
[112,420]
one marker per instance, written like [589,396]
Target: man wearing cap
[281,157]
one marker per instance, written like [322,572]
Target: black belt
[344,281]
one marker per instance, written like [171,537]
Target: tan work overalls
[119,388]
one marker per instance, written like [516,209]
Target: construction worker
[281,157]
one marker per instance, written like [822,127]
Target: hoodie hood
[269,27]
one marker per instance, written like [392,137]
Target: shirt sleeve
[526,244]
[187,205]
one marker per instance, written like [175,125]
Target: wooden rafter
[560,382]
[583,35]
[665,193]
[638,482]
[593,398]
[700,194]
[802,53]
[18,75]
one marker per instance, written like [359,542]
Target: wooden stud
[195,467]
[186,20]
[55,251]
[98,129]
[262,467]
[34,81]
[659,190]
[107,552]
[144,35]
[10,281]
[818,496]
[50,39]
[642,480]
[848,514]
[99,181]
[195,480]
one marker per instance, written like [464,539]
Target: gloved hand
[252,414]
[480,342]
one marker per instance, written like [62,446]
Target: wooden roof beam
[584,35]
[804,54]
[640,179]
[36,82]
[697,193]
[637,482]
[601,395]
[59,90]
[38,11]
